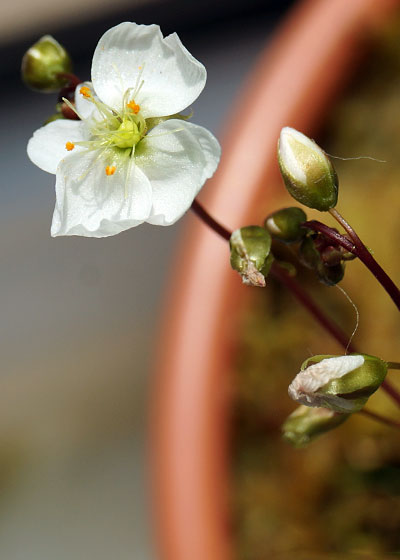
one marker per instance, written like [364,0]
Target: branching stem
[297,291]
[356,246]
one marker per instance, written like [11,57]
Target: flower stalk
[301,295]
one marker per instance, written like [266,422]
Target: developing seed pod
[307,171]
[285,224]
[251,254]
[43,64]
[305,424]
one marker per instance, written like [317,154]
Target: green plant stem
[393,365]
[297,291]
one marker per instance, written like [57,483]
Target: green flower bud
[43,63]
[251,254]
[341,383]
[285,224]
[305,424]
[307,171]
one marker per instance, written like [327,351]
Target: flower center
[128,134]
[115,133]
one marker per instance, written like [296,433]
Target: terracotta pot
[294,81]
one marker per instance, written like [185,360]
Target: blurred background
[79,316]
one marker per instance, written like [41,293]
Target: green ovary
[127,135]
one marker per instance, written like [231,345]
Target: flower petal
[129,53]
[93,204]
[47,147]
[177,157]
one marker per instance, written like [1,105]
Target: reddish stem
[209,221]
[303,297]
[357,247]
[379,418]
[298,292]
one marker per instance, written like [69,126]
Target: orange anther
[85,91]
[70,146]
[110,170]
[134,106]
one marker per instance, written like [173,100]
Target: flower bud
[305,424]
[341,383]
[251,254]
[307,171]
[43,63]
[285,224]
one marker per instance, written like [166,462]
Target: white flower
[306,386]
[122,165]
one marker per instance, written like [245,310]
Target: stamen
[134,106]
[70,146]
[110,170]
[85,91]
[138,84]
[72,107]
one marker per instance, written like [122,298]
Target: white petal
[177,157]
[92,204]
[47,148]
[129,53]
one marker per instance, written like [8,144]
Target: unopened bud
[251,254]
[44,63]
[285,224]
[307,171]
[305,424]
[341,383]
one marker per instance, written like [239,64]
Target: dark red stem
[379,418]
[303,297]
[357,247]
[298,292]
[207,219]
